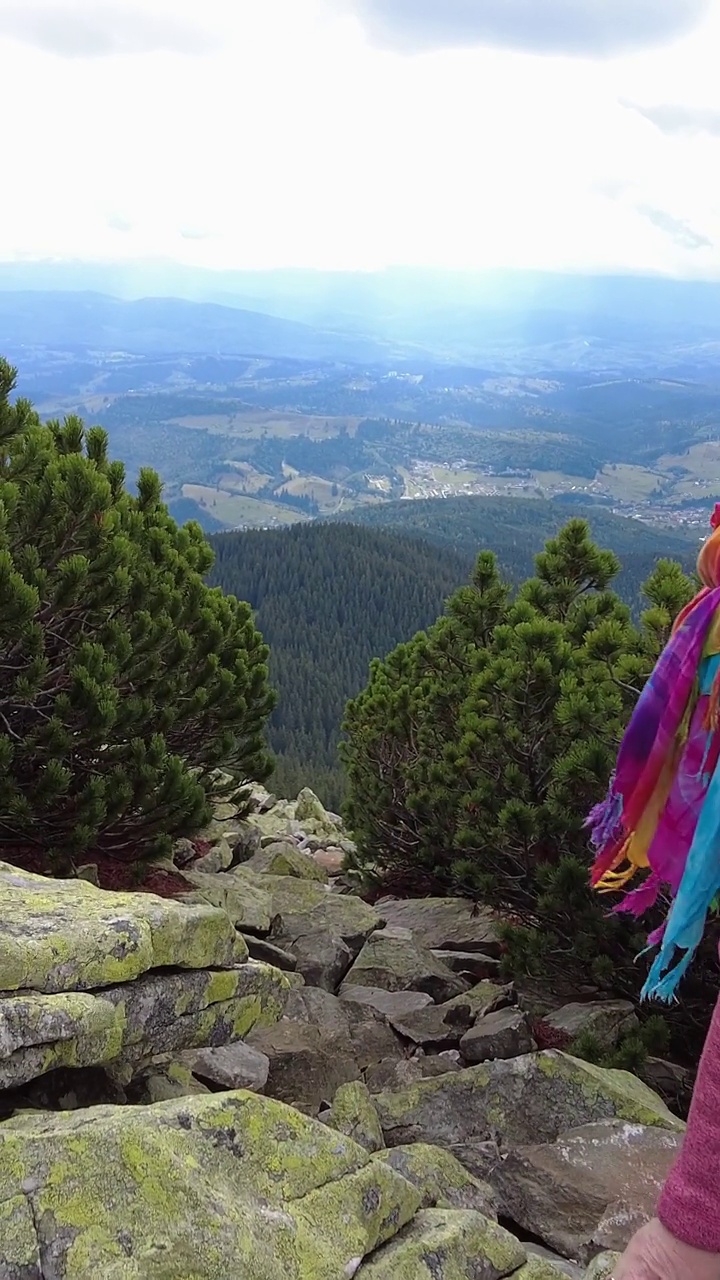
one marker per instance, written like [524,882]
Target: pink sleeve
[690,1203]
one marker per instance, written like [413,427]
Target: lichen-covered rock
[236,893]
[158,1013]
[540,1268]
[285,859]
[606,1020]
[394,961]
[314,817]
[67,935]
[308,908]
[504,1034]
[353,1113]
[601,1268]
[542,1264]
[162,1081]
[447,1244]
[590,1190]
[276,822]
[201,1188]
[444,924]
[218,859]
[20,1256]
[441,1180]
[474,966]
[521,1100]
[485,997]
[324,931]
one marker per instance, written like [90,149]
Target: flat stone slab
[67,935]
[157,1014]
[444,924]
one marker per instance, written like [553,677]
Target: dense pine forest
[331,597]
[516,529]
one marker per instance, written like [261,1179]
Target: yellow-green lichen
[441,1180]
[537,1268]
[99,939]
[630,1098]
[353,1113]
[458,1239]
[18,1241]
[212,1186]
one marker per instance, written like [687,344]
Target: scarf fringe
[651,751]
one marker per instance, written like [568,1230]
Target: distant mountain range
[511,320]
[72,321]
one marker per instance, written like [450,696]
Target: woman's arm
[690,1203]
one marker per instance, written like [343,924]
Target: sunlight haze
[356,134]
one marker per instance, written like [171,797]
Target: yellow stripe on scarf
[633,856]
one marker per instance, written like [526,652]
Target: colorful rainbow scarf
[662,810]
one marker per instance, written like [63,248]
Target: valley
[251,442]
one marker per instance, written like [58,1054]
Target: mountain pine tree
[125,682]
[476,751]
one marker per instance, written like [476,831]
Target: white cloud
[678,229]
[596,28]
[101,28]
[117,222]
[676,118]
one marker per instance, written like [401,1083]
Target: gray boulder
[393,960]
[589,1190]
[471,965]
[392,1004]
[517,1101]
[427,1027]
[306,1068]
[444,924]
[607,1020]
[234,1066]
[505,1034]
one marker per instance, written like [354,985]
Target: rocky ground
[265,1077]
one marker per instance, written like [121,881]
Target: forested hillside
[329,599]
[516,530]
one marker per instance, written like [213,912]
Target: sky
[555,134]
